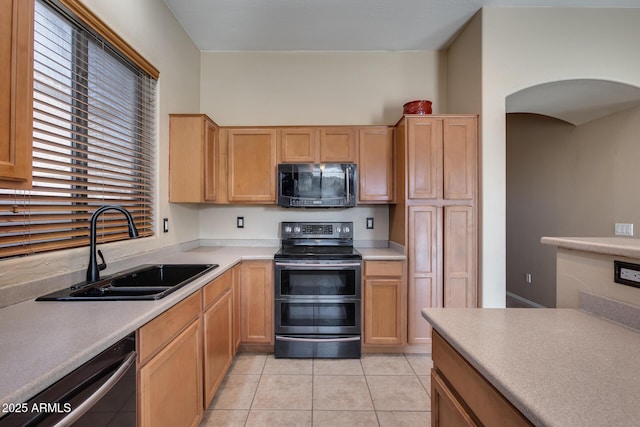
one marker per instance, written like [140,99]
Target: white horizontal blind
[93,142]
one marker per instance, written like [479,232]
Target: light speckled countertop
[617,246]
[559,367]
[43,341]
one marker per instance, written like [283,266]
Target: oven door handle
[91,401]
[307,265]
[345,339]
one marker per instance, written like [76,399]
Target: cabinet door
[218,343]
[375,165]
[210,162]
[237,328]
[460,150]
[425,269]
[459,257]
[171,383]
[446,409]
[256,293]
[16,93]
[193,151]
[298,145]
[251,165]
[338,145]
[383,308]
[424,157]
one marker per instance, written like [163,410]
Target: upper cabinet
[251,165]
[238,165]
[338,145]
[318,145]
[16,93]
[193,157]
[441,157]
[375,165]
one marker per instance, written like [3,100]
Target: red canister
[417,107]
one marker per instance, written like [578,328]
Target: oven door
[302,280]
[313,317]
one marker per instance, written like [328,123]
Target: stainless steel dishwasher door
[102,392]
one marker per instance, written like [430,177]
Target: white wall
[318,88]
[150,28]
[522,47]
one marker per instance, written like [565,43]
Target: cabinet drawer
[483,399]
[383,268]
[160,331]
[215,288]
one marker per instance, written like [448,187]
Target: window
[93,140]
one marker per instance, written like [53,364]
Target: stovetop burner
[318,252]
[317,240]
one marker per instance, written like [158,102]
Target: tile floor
[377,390]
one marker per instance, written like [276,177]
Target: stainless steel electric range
[318,303]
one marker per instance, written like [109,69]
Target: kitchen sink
[147,282]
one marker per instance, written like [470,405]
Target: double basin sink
[147,282]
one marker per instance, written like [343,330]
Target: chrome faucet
[93,270]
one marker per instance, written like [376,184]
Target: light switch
[369,223]
[240,222]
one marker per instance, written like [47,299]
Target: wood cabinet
[256,296]
[16,93]
[170,367]
[375,165]
[193,158]
[461,396]
[336,144]
[435,214]
[251,165]
[217,320]
[385,317]
[237,326]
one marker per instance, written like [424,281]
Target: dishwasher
[100,393]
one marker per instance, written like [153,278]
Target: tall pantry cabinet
[435,217]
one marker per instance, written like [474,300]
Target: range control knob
[287,229]
[296,229]
[338,229]
[346,229]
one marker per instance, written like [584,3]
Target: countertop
[617,246]
[559,367]
[44,341]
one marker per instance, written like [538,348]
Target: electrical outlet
[624,229]
[165,225]
[369,223]
[240,222]
[626,273]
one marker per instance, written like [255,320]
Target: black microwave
[324,185]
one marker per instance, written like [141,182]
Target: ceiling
[382,25]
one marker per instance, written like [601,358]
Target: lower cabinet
[385,295]
[256,301]
[461,396]
[170,367]
[237,330]
[217,320]
[184,353]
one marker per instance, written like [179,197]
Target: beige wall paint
[219,222]
[150,28]
[522,47]
[318,88]
[565,181]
